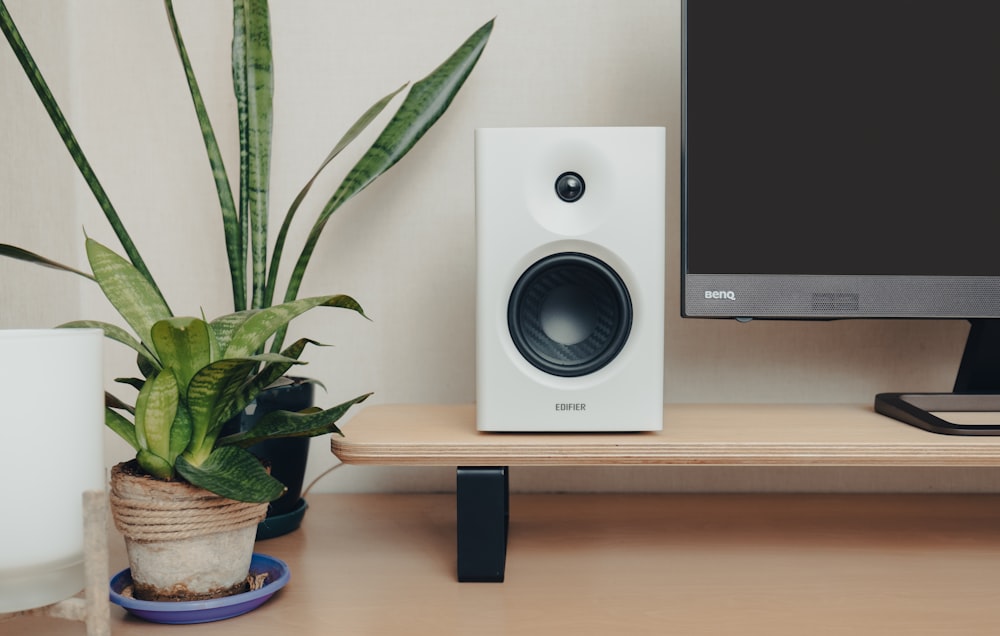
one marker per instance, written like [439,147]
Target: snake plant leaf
[116,333]
[249,391]
[210,397]
[225,326]
[135,383]
[254,332]
[112,402]
[253,83]
[239,63]
[135,299]
[270,373]
[288,424]
[146,366]
[231,472]
[214,396]
[230,222]
[183,346]
[11,251]
[423,106]
[155,465]
[121,427]
[48,100]
[356,129]
[180,433]
[155,411]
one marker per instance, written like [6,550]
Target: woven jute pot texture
[183,542]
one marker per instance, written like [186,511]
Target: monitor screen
[841,158]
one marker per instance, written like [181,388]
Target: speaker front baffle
[570,257]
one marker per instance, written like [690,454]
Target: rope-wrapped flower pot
[183,542]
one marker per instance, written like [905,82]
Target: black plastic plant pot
[286,456]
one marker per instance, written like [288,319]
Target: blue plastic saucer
[216,609]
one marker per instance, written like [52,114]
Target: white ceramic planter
[51,433]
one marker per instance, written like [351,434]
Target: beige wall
[405,247]
[37,206]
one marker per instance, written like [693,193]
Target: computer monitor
[841,159]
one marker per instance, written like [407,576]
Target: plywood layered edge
[693,434]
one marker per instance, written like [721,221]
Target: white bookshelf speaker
[570,272]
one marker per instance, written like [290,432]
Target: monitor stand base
[977,389]
[925,410]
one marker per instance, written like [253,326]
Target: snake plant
[197,374]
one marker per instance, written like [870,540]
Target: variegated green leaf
[146,367]
[254,332]
[230,223]
[211,393]
[214,396]
[183,345]
[112,402]
[241,222]
[117,334]
[275,370]
[122,427]
[17,253]
[135,383]
[231,472]
[424,104]
[155,410]
[155,465]
[180,432]
[127,290]
[270,373]
[288,424]
[34,75]
[255,93]
[223,328]
[368,117]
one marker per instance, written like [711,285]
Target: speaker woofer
[569,314]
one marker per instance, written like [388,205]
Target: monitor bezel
[819,296]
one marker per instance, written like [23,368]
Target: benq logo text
[720,295]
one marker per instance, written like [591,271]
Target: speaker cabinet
[569,300]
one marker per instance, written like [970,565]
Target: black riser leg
[483,500]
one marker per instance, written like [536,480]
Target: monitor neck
[979,371]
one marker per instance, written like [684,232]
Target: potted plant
[195,375]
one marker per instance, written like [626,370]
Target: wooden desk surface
[628,564]
[733,434]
